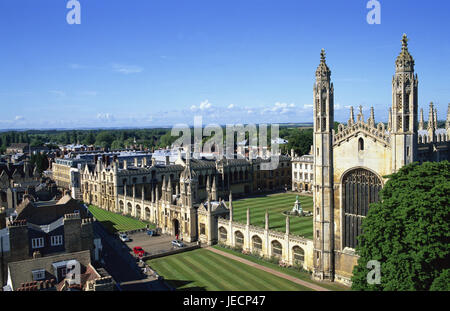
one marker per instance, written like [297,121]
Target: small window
[37,243]
[38,274]
[56,240]
[407,151]
[360,144]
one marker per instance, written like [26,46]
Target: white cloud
[307,106]
[204,106]
[105,117]
[280,108]
[127,69]
[230,106]
[19,118]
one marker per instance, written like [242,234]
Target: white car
[177,243]
[123,237]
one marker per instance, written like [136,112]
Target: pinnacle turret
[405,61]
[323,72]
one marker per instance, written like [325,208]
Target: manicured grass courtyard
[276,204]
[302,275]
[114,222]
[202,269]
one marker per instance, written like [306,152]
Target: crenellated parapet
[377,132]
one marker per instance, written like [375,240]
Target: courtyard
[276,204]
[202,269]
[153,245]
[113,222]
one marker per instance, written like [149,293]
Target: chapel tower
[323,172]
[404,110]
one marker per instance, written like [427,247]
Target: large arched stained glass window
[360,188]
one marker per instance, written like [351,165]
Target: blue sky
[160,62]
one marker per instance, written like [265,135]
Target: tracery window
[360,187]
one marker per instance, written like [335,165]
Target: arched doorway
[176,227]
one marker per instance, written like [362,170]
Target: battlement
[87,220]
[18,224]
[71,216]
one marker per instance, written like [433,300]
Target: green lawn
[296,273]
[201,269]
[276,204]
[114,222]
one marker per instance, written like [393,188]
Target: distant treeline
[299,138]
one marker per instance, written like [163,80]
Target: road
[123,267]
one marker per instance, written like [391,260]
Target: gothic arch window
[147,213]
[360,188]
[360,144]
[277,249]
[138,211]
[256,243]
[239,238]
[298,254]
[223,234]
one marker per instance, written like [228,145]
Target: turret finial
[405,42]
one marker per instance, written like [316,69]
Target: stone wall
[236,233]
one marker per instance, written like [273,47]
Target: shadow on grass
[180,283]
[109,226]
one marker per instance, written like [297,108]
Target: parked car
[123,237]
[137,250]
[178,243]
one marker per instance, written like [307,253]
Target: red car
[138,251]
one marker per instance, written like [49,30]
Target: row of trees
[300,139]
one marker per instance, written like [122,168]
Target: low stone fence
[164,253]
[290,249]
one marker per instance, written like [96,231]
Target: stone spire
[288,225]
[435,118]
[431,126]
[431,118]
[371,120]
[360,116]
[208,187]
[267,220]
[351,120]
[230,205]
[421,120]
[404,62]
[169,190]
[214,189]
[323,72]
